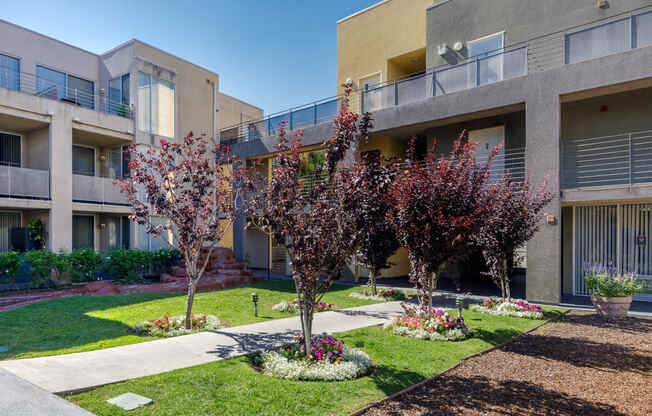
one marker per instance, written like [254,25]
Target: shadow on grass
[448,395]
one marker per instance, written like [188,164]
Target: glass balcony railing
[31,84]
[24,183]
[96,190]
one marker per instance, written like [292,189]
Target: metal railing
[548,51]
[34,85]
[24,183]
[617,160]
[96,190]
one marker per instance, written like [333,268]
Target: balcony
[96,190]
[621,160]
[24,183]
[30,84]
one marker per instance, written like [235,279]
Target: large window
[9,150]
[61,86]
[155,105]
[118,229]
[83,231]
[9,72]
[488,52]
[119,95]
[83,161]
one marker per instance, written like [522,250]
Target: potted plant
[37,234]
[612,291]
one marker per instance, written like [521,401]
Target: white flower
[355,363]
[507,309]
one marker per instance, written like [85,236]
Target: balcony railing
[24,183]
[617,160]
[30,84]
[96,190]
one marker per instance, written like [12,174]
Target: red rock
[100,288]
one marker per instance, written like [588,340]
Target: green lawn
[85,323]
[233,387]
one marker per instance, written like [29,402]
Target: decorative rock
[129,401]
[101,288]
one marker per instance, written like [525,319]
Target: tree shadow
[391,379]
[447,395]
[250,342]
[65,323]
[581,352]
[497,336]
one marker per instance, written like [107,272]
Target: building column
[543,127]
[61,178]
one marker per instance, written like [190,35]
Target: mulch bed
[583,365]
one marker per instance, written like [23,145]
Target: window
[119,95]
[83,160]
[118,229]
[83,231]
[598,41]
[9,72]
[488,53]
[9,150]
[61,86]
[155,105]
[8,220]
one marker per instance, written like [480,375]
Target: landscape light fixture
[254,299]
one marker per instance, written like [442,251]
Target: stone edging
[477,354]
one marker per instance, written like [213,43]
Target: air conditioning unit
[442,49]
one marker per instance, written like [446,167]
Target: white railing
[96,190]
[622,159]
[26,183]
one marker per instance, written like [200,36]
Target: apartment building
[565,85]
[66,114]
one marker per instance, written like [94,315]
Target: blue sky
[273,54]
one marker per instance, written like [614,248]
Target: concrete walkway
[80,371]
[22,398]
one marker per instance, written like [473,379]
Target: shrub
[10,263]
[85,264]
[513,307]
[127,265]
[609,283]
[162,260]
[172,326]
[43,263]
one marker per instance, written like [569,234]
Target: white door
[487,139]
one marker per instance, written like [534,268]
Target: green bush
[43,263]
[127,265]
[10,263]
[85,264]
[611,285]
[162,260]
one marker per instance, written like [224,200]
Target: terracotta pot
[612,307]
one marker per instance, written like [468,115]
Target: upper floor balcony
[59,86]
[587,41]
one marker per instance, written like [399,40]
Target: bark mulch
[582,365]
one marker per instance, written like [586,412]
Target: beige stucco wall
[35,148]
[367,41]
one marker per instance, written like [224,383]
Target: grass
[86,323]
[233,387]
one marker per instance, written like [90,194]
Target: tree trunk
[502,288]
[372,283]
[192,287]
[506,280]
[306,323]
[433,282]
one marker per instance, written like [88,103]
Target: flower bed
[442,326]
[517,308]
[389,294]
[330,360]
[172,326]
[293,306]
